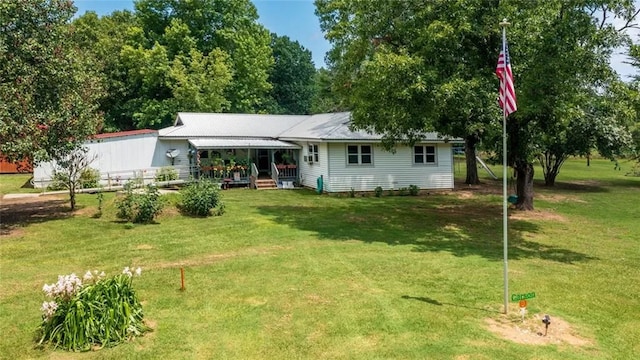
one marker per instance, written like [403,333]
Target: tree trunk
[550,178]
[524,185]
[551,163]
[72,197]
[470,155]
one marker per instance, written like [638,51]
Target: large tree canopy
[227,25]
[561,54]
[48,86]
[292,76]
[169,56]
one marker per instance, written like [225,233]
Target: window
[313,153]
[424,154]
[359,155]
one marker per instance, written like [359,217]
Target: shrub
[90,178]
[378,191]
[166,173]
[59,181]
[352,193]
[413,190]
[403,191]
[139,207]
[99,312]
[200,197]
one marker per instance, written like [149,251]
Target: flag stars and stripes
[507,98]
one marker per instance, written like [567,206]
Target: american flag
[507,99]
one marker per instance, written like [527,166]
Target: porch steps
[266,184]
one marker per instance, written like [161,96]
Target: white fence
[117,179]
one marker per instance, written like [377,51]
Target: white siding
[309,173]
[122,156]
[389,170]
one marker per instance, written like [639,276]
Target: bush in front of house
[166,173]
[414,190]
[200,197]
[378,191]
[91,312]
[89,178]
[139,206]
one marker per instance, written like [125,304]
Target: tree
[69,170]
[48,86]
[230,26]
[104,37]
[292,76]
[324,98]
[561,57]
[406,68]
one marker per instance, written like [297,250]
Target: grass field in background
[292,274]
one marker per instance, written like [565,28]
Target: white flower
[48,289]
[127,271]
[87,276]
[102,274]
[138,272]
[49,308]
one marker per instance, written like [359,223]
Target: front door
[263,161]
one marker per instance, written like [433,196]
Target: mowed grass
[291,274]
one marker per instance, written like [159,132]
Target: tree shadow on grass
[430,224]
[17,214]
[438,303]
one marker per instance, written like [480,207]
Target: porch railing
[274,173]
[287,171]
[254,175]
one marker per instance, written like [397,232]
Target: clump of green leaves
[414,190]
[138,205]
[352,193]
[89,178]
[166,173]
[378,191]
[403,191]
[99,312]
[100,198]
[200,197]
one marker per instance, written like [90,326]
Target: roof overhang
[241,144]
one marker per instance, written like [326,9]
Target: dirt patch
[531,331]
[558,198]
[18,212]
[536,215]
[144,247]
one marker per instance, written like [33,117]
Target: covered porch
[244,162]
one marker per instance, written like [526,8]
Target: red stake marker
[182,279]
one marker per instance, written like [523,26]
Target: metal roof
[241,144]
[323,127]
[335,127]
[191,125]
[123,133]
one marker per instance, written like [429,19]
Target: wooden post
[182,279]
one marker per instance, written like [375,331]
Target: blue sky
[293,18]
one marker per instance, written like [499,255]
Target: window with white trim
[424,154]
[313,153]
[359,154]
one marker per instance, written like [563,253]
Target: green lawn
[15,183]
[291,274]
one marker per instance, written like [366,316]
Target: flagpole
[505,242]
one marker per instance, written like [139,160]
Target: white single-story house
[254,149]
